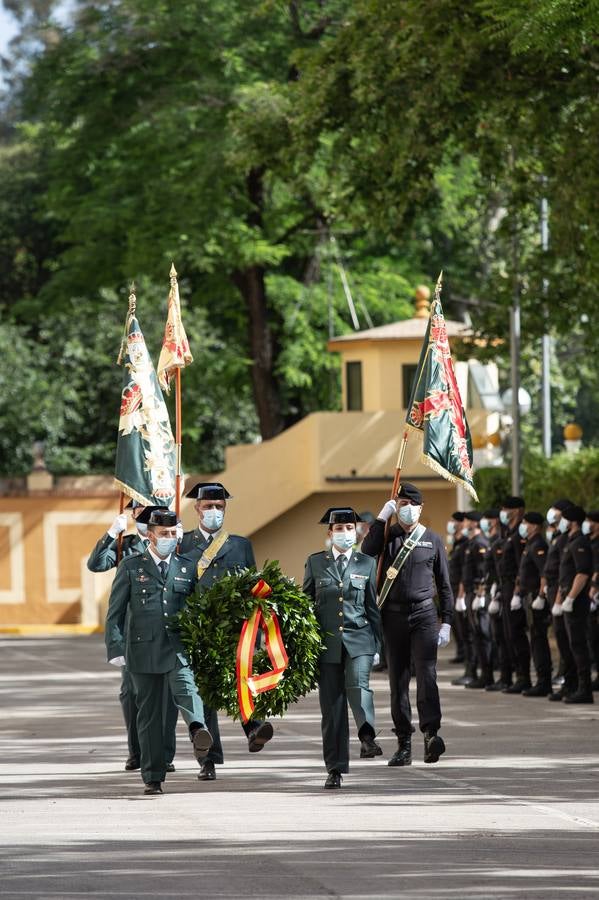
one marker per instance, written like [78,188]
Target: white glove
[444,634]
[376,659]
[516,602]
[494,607]
[179,532]
[493,591]
[117,661]
[538,602]
[119,524]
[388,510]
[460,604]
[568,604]
[556,610]
[593,606]
[476,603]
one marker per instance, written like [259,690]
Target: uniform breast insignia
[141,577]
[540,553]
[426,544]
[183,569]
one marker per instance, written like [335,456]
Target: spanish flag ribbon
[249,685]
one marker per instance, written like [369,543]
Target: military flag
[175,353]
[145,455]
[436,410]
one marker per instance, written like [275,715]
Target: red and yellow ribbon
[249,685]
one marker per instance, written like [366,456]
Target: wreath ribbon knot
[248,684]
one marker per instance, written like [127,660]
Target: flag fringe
[440,470]
[132,493]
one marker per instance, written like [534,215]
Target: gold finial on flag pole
[173,272]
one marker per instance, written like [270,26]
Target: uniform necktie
[163,566]
[342,563]
[209,540]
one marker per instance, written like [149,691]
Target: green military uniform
[346,609]
[138,626]
[103,558]
[235,554]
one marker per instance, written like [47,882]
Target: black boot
[517,687]
[403,754]
[583,694]
[540,689]
[434,746]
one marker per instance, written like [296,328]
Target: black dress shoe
[517,687]
[369,748]
[153,787]
[201,740]
[434,747]
[403,754]
[464,680]
[207,771]
[585,696]
[333,780]
[132,764]
[537,690]
[497,686]
[259,737]
[479,684]
[556,696]
[170,767]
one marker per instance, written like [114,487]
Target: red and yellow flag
[249,685]
[175,353]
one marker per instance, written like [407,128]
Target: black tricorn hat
[534,518]
[458,516]
[473,516]
[340,515]
[146,514]
[208,490]
[513,503]
[575,514]
[410,492]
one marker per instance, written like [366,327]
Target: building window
[353,380]
[408,374]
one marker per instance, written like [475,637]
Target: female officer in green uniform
[342,583]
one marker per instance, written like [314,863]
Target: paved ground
[511,810]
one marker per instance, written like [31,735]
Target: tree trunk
[250,282]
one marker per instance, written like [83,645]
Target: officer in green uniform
[217,553]
[342,583]
[147,591]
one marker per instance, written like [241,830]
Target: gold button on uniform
[340,613]
[341,628]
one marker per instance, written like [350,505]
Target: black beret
[458,516]
[340,515]
[208,490]
[513,503]
[575,514]
[163,517]
[144,516]
[491,514]
[593,515]
[473,516]
[410,492]
[561,504]
[534,518]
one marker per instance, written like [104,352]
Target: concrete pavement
[511,810]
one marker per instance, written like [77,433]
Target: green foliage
[572,475]
[210,627]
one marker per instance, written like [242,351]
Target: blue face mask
[465,532]
[344,540]
[142,528]
[213,518]
[451,527]
[586,527]
[165,546]
[409,515]
[523,530]
[503,517]
[563,525]
[485,525]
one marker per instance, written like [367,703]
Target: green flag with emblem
[436,410]
[145,454]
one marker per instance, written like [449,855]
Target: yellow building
[280,487]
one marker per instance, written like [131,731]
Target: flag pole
[173,277]
[119,540]
[394,490]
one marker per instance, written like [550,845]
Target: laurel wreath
[210,626]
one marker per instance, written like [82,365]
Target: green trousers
[129,707]
[340,683]
[149,693]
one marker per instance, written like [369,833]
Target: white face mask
[344,540]
[451,527]
[586,527]
[563,525]
[409,514]
[504,516]
[213,518]
[551,515]
[523,530]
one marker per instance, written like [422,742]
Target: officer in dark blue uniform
[590,527]
[217,553]
[557,540]
[532,564]
[342,583]
[492,528]
[507,557]
[473,577]
[461,632]
[410,621]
